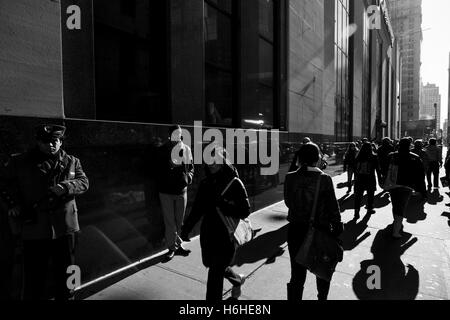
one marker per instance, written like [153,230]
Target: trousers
[38,254]
[296,235]
[216,275]
[173,207]
[433,169]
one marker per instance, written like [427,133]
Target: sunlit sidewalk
[416,267]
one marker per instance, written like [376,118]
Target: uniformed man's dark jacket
[25,182]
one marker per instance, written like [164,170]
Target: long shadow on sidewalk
[351,238]
[395,281]
[267,246]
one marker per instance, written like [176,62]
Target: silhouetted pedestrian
[409,176]
[300,196]
[434,154]
[383,153]
[366,167]
[350,164]
[418,150]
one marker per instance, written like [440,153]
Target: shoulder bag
[320,252]
[240,231]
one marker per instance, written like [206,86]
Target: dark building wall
[77,47]
[187,61]
[358,102]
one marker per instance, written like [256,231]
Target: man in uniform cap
[39,188]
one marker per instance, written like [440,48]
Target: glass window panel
[225,5]
[130,60]
[265,63]
[219,92]
[266,18]
[217,38]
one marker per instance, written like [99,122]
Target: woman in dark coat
[218,247]
[410,177]
[299,195]
[366,167]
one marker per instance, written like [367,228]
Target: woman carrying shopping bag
[220,194]
[311,199]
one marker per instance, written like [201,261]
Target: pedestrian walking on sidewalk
[366,167]
[175,172]
[299,195]
[218,248]
[418,150]
[387,147]
[410,176]
[434,154]
[350,164]
[447,166]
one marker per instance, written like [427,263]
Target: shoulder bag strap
[316,199]
[228,186]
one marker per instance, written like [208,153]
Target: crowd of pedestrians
[400,167]
[47,180]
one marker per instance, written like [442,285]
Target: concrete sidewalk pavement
[416,267]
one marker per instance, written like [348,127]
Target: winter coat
[411,172]
[423,156]
[299,191]
[174,178]
[218,247]
[350,160]
[434,154]
[383,153]
[365,174]
[25,182]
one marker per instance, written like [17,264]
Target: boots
[294,292]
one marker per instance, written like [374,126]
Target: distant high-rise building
[447,127]
[407,24]
[445,131]
[430,98]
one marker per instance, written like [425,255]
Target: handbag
[239,230]
[320,252]
[390,182]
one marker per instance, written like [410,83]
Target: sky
[436,47]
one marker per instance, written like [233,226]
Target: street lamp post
[436,119]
